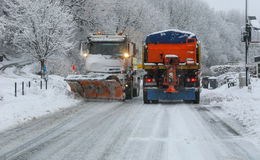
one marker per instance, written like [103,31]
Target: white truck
[110,68]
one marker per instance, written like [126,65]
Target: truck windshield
[107,48]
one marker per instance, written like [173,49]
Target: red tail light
[194,80]
[149,80]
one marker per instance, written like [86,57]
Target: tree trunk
[42,68]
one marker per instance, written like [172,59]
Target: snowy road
[130,131]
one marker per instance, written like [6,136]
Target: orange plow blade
[97,89]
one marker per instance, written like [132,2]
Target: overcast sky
[253,9]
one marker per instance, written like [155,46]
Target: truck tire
[155,101]
[129,90]
[135,92]
[197,95]
[146,101]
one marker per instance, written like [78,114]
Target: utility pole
[247,28]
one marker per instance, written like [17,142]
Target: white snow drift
[241,103]
[36,102]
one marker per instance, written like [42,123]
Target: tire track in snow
[220,127]
[135,131]
[51,135]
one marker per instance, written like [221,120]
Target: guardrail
[23,85]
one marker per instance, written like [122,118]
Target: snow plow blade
[97,88]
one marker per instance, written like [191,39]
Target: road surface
[130,131]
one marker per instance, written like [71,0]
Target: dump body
[109,69]
[172,61]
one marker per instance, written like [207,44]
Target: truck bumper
[159,94]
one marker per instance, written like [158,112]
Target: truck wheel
[146,101]
[155,102]
[197,95]
[129,91]
[135,92]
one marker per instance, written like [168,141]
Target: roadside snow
[36,102]
[243,104]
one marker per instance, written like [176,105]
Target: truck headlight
[85,55]
[126,55]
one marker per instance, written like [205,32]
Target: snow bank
[243,104]
[222,69]
[36,102]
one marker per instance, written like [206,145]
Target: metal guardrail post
[22,88]
[46,84]
[15,89]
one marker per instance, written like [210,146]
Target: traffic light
[243,35]
[246,34]
[73,67]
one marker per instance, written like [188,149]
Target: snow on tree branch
[43,27]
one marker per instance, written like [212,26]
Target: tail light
[193,80]
[148,80]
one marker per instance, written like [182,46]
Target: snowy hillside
[36,102]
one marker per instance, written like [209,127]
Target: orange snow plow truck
[171,60]
[110,68]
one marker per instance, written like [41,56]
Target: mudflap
[98,89]
[160,94]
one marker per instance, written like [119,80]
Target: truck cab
[109,68]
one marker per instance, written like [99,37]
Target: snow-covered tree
[1,23]
[42,28]
[218,31]
[1,30]
[86,15]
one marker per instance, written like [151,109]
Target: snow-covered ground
[126,130]
[241,103]
[36,102]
